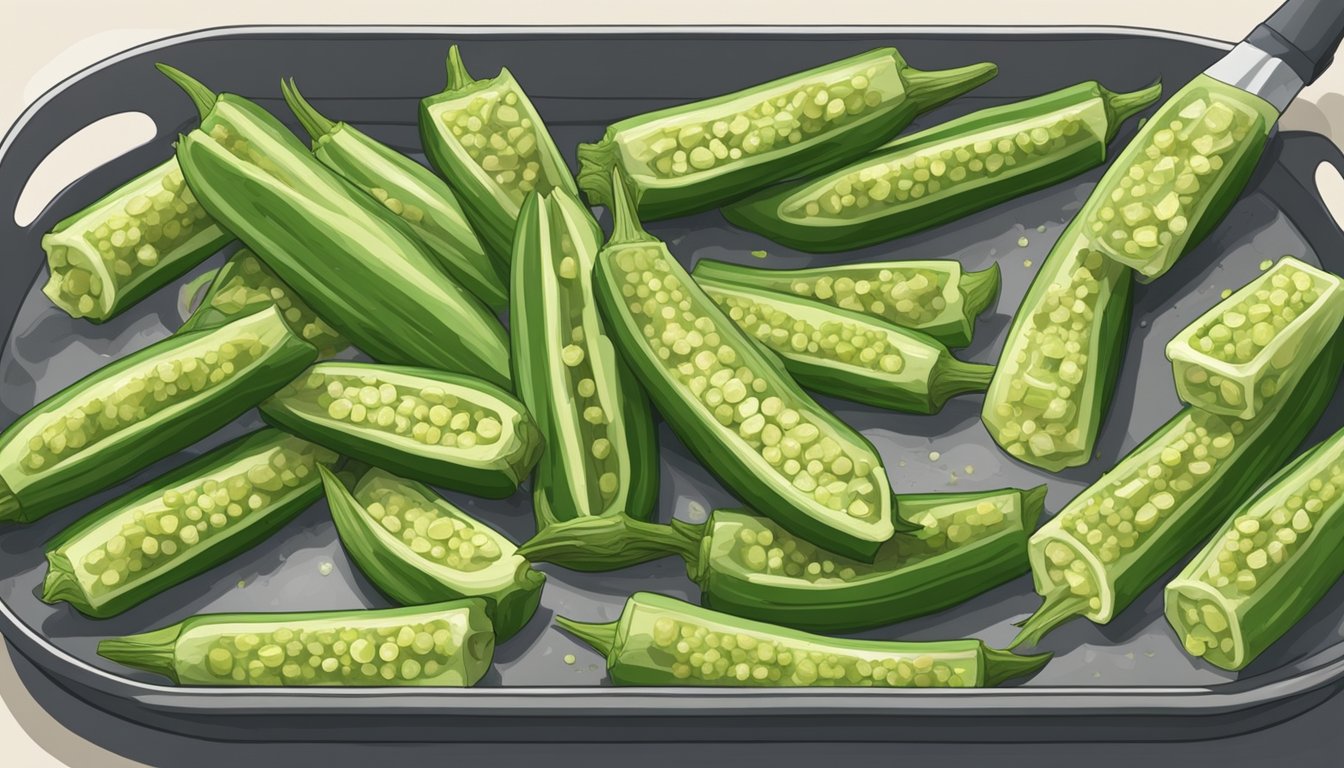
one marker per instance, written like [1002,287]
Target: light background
[42,43]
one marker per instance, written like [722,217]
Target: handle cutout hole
[90,147]
[1330,186]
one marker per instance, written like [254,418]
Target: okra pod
[142,408]
[409,190]
[1259,340]
[847,354]
[696,156]
[1118,536]
[487,140]
[357,264]
[601,459]
[452,431]
[245,284]
[731,401]
[447,644]
[946,172]
[662,641]
[417,548]
[933,297]
[749,566]
[183,523]
[1270,563]
[136,239]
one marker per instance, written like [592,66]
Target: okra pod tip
[1121,105]
[202,97]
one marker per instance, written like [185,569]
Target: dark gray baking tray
[1128,680]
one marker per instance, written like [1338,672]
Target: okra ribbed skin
[133,241]
[1258,341]
[936,298]
[662,641]
[452,431]
[446,644]
[409,190]
[733,403]
[845,354]
[487,140]
[1273,560]
[601,458]
[946,172]
[417,548]
[142,408]
[244,285]
[358,265]
[1119,535]
[183,523]
[696,156]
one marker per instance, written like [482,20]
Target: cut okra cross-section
[448,430]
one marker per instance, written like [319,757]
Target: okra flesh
[1271,562]
[418,548]
[1119,535]
[945,172]
[449,430]
[448,644]
[692,157]
[601,456]
[1258,341]
[1178,176]
[244,285]
[933,297]
[734,405]
[967,543]
[662,641]
[142,408]
[184,523]
[487,140]
[133,241]
[846,354]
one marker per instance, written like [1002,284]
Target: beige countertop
[43,43]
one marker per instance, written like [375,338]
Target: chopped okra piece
[934,297]
[184,523]
[417,548]
[662,641]
[1271,562]
[135,240]
[446,644]
[449,430]
[144,407]
[245,284]
[696,156]
[1257,341]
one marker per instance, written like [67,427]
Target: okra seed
[422,521]
[498,134]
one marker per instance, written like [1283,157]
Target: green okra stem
[601,636]
[613,542]
[314,122]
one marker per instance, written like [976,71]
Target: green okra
[409,190]
[733,403]
[489,142]
[142,408]
[133,241]
[696,156]
[417,548]
[183,523]
[357,264]
[936,298]
[446,644]
[847,354]
[946,172]
[601,459]
[449,430]
[1273,560]
[662,641]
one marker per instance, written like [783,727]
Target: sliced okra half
[184,523]
[452,431]
[446,644]
[418,548]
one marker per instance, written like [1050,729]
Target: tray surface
[374,78]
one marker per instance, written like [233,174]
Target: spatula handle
[1304,34]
